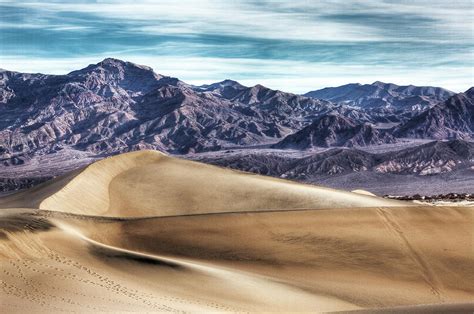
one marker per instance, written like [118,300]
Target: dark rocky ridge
[453,118]
[335,131]
[432,168]
[16,184]
[427,159]
[450,197]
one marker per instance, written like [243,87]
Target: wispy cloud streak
[425,39]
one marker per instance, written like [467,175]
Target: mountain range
[116,106]
[385,95]
[435,163]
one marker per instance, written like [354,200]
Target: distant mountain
[431,158]
[227,88]
[260,100]
[383,95]
[334,130]
[432,168]
[452,119]
[427,159]
[333,161]
[116,106]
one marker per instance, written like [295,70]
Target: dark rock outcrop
[335,131]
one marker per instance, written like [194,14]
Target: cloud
[250,40]
[297,20]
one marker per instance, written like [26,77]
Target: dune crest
[363,192]
[150,183]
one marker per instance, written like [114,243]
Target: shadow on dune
[23,221]
[110,253]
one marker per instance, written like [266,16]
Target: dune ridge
[150,183]
[145,232]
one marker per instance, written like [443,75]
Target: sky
[294,45]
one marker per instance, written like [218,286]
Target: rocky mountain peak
[117,76]
[384,85]
[228,83]
[226,88]
[470,92]
[219,86]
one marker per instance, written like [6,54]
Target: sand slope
[143,232]
[149,183]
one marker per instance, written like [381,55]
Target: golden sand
[144,232]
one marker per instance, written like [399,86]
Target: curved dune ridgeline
[146,232]
[149,183]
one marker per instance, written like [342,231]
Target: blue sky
[294,45]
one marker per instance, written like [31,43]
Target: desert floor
[144,232]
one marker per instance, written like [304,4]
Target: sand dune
[144,232]
[149,183]
[363,192]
